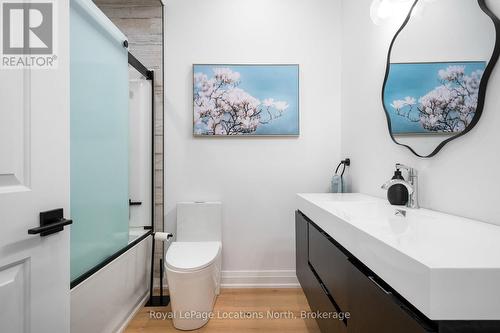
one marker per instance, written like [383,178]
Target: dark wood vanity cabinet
[375,309]
[331,266]
[304,274]
[335,282]
[316,293]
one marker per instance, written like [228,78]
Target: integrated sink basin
[448,267]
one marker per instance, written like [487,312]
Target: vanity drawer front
[320,302]
[307,280]
[375,309]
[331,265]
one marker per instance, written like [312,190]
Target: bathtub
[108,299]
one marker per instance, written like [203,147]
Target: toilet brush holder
[157,300]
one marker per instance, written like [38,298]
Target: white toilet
[193,263]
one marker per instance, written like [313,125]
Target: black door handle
[134,203]
[51,227]
[51,221]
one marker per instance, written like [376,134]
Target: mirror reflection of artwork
[246,100]
[431,98]
[438,66]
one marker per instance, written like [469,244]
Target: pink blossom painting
[246,100]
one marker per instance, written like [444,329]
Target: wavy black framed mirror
[438,66]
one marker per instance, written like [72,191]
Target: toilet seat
[191,256]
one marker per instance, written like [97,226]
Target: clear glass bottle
[336,184]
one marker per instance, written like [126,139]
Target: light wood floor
[245,300]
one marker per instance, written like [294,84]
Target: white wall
[255,178]
[462,179]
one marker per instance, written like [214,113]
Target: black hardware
[134,203]
[151,276]
[125,43]
[154,300]
[324,288]
[372,279]
[343,163]
[134,62]
[51,221]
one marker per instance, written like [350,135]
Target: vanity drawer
[305,276]
[316,293]
[375,309]
[331,265]
[319,302]
[301,250]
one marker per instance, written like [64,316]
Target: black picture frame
[482,87]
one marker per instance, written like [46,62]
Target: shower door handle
[51,221]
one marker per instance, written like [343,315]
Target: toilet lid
[191,256]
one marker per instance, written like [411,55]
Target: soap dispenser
[397,194]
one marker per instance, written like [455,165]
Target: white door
[34,177]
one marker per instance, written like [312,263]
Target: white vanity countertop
[447,266]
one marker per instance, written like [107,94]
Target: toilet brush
[160,300]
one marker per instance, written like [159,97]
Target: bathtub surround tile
[158,180]
[158,166]
[158,196]
[158,144]
[120,10]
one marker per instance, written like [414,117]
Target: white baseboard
[260,279]
[255,279]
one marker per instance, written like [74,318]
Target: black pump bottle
[397,194]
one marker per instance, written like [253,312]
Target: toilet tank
[199,222]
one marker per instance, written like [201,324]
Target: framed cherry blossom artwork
[246,100]
[432,98]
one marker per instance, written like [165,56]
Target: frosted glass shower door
[99,138]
